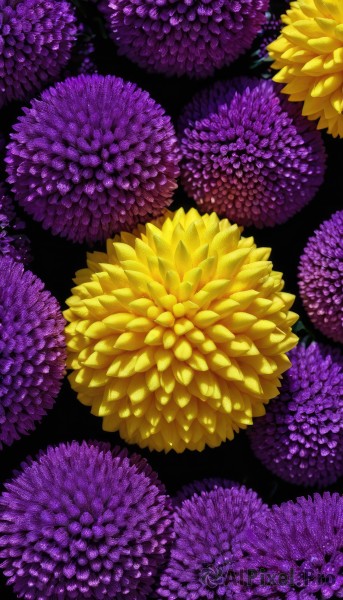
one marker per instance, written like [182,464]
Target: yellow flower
[178,334]
[309,56]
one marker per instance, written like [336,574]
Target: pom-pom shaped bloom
[32,350]
[301,436]
[321,275]
[309,57]
[178,334]
[296,551]
[36,39]
[83,522]
[13,242]
[203,485]
[248,154]
[182,37]
[94,155]
[209,532]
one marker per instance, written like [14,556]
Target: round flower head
[209,532]
[301,436]
[13,242]
[93,156]
[32,350]
[320,277]
[178,334]
[204,485]
[248,154]
[185,37]
[83,522]
[309,57]
[36,39]
[296,551]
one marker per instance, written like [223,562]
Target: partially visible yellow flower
[309,56]
[178,334]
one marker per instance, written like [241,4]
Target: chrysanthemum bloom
[93,156]
[296,551]
[209,532]
[82,522]
[309,57]
[36,39]
[204,485]
[178,334]
[320,277]
[13,242]
[32,350]
[182,37]
[248,154]
[301,436]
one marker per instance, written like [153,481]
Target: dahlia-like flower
[13,242]
[81,521]
[301,436]
[178,334]
[183,37]
[32,350]
[204,485]
[309,57]
[209,532]
[93,156]
[248,154]
[320,277]
[36,39]
[295,553]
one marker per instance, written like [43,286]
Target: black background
[56,260]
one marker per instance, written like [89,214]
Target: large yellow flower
[309,56]
[178,334]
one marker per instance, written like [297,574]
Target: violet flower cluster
[183,37]
[93,156]
[321,277]
[248,153]
[32,350]
[36,39]
[300,438]
[81,521]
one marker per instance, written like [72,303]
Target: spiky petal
[178,335]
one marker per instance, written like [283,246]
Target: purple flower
[296,552]
[248,154]
[209,531]
[36,38]
[183,37]
[13,242]
[321,276]
[300,438]
[94,156]
[32,350]
[204,485]
[81,521]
